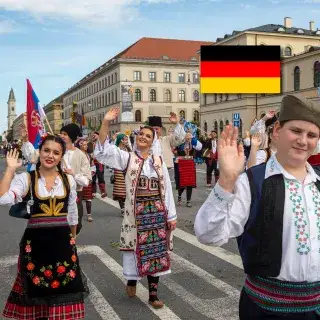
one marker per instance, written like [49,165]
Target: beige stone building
[163,75]
[300,70]
[54,113]
[17,124]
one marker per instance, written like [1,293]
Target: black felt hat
[155,121]
[72,130]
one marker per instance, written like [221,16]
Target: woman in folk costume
[49,283]
[119,185]
[185,169]
[150,212]
[87,192]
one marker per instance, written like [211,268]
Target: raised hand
[231,157]
[111,114]
[173,118]
[256,140]
[13,161]
[269,115]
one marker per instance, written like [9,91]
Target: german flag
[240,69]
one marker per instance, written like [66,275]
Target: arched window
[296,78]
[137,95]
[205,126]
[287,52]
[240,129]
[167,95]
[137,116]
[227,122]
[216,126]
[196,116]
[316,74]
[112,97]
[221,126]
[182,96]
[182,114]
[196,95]
[262,115]
[153,95]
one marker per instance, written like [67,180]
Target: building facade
[12,115]
[54,114]
[163,75]
[17,125]
[300,74]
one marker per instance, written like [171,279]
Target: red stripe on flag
[240,69]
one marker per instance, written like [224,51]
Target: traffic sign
[236,123]
[236,117]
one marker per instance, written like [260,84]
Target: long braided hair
[56,139]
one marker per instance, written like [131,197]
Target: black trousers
[100,176]
[248,310]
[80,211]
[211,165]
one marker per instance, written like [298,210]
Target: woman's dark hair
[56,139]
[149,128]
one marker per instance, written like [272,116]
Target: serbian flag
[35,125]
[240,69]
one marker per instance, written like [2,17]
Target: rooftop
[11,95]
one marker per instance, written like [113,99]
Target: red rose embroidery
[72,241]
[36,280]
[30,266]
[28,248]
[74,258]
[72,274]
[48,273]
[55,284]
[61,269]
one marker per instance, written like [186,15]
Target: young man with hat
[273,210]
[165,144]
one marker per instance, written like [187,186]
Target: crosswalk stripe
[221,253]
[98,301]
[142,293]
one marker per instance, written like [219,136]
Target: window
[115,77]
[153,95]
[205,127]
[112,97]
[137,116]
[182,114]
[115,95]
[240,129]
[287,52]
[262,115]
[137,95]
[221,126]
[196,95]
[112,79]
[296,78]
[137,75]
[167,95]
[152,76]
[108,81]
[227,122]
[167,77]
[216,126]
[182,78]
[316,74]
[182,96]
[196,116]
[109,99]
[195,78]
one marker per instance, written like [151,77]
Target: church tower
[11,109]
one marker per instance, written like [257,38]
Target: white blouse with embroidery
[116,158]
[224,215]
[19,187]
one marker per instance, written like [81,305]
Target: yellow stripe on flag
[240,85]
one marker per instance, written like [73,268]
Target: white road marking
[142,293]
[220,253]
[225,307]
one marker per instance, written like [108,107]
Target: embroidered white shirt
[224,215]
[19,187]
[116,158]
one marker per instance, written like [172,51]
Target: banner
[127,101]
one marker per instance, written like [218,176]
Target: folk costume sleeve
[72,203]
[224,215]
[196,144]
[29,152]
[169,200]
[111,156]
[84,177]
[18,189]
[178,136]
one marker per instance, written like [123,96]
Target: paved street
[205,282]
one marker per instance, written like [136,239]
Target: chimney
[288,22]
[312,26]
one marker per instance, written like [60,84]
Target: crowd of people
[265,194]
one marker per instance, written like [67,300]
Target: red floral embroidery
[28,248]
[36,280]
[61,269]
[48,273]
[55,284]
[30,266]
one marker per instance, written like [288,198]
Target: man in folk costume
[74,162]
[150,212]
[211,155]
[99,172]
[274,211]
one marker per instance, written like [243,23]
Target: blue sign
[236,117]
[236,123]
